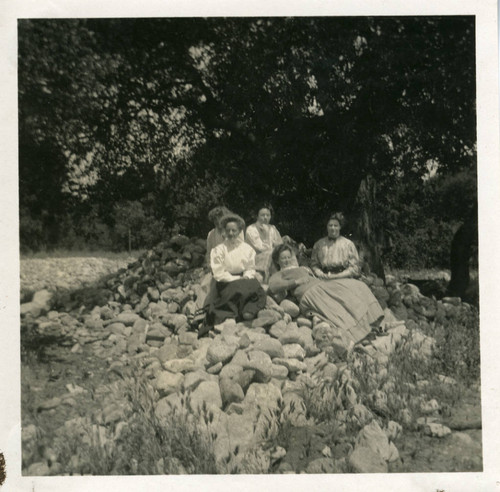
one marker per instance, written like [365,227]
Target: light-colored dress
[335,256]
[347,304]
[263,238]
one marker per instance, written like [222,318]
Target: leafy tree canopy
[298,111]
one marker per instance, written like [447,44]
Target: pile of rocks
[247,375]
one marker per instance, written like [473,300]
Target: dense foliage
[157,120]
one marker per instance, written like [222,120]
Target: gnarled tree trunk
[460,254]
[366,236]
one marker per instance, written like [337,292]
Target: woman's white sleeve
[353,260]
[218,268]
[277,237]
[249,265]
[253,239]
[315,261]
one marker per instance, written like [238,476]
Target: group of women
[243,266]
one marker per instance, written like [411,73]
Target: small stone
[278,328]
[301,321]
[365,460]
[193,379]
[462,439]
[30,308]
[220,352]
[231,392]
[168,382]
[208,393]
[294,351]
[119,329]
[429,407]
[215,369]
[38,469]
[293,365]
[290,308]
[436,430]
[393,430]
[446,380]
[330,371]
[326,452]
[244,342]
[373,437]
[265,396]
[362,414]
[278,453]
[188,338]
[179,365]
[405,416]
[316,363]
[127,318]
[270,346]
[266,317]
[28,433]
[165,406]
[292,334]
[321,465]
[50,404]
[279,371]
[156,334]
[53,315]
[168,351]
[43,298]
[240,358]
[244,378]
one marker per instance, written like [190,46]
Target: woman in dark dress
[237,293]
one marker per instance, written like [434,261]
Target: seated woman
[263,237]
[345,303]
[237,293]
[214,238]
[216,235]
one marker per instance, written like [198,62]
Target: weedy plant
[146,444]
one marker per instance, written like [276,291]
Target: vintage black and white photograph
[248,245]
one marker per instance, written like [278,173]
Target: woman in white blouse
[216,235]
[237,292]
[263,237]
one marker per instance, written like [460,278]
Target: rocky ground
[115,380]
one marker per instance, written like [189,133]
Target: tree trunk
[365,234]
[461,249]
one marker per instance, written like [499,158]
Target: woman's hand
[320,274]
[300,281]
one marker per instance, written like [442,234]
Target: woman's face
[333,228]
[232,230]
[264,216]
[285,259]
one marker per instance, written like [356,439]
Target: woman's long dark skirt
[231,300]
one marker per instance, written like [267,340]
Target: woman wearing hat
[237,292]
